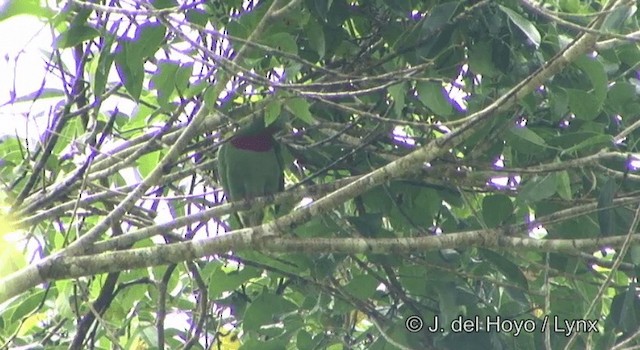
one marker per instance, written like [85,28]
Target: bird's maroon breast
[256,143]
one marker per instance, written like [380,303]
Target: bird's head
[258,126]
[257,136]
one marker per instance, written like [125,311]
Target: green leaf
[315,34]
[524,24]
[28,304]
[70,132]
[583,105]
[13,257]
[163,81]
[284,42]
[564,185]
[272,111]
[12,8]
[304,340]
[576,6]
[510,270]
[10,150]
[399,7]
[414,279]
[338,12]
[183,75]
[597,141]
[538,188]
[629,54]
[129,66]
[148,162]
[606,212]
[102,65]
[634,253]
[594,69]
[169,77]
[75,35]
[40,94]
[368,224]
[300,108]
[438,17]
[294,263]
[265,310]
[224,279]
[449,309]
[376,200]
[150,335]
[620,95]
[197,17]
[398,93]
[149,36]
[625,309]
[163,4]
[238,28]
[433,95]
[496,210]
[362,286]
[481,59]
[528,135]
[572,139]
[275,341]
[429,202]
[196,88]
[614,21]
[319,8]
[559,104]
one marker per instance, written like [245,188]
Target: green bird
[250,165]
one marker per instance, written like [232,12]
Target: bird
[250,165]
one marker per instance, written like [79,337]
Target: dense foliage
[449,162]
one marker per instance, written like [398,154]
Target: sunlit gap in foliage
[617,120]
[304,202]
[13,242]
[504,182]
[27,90]
[565,122]
[511,182]
[633,163]
[608,256]
[29,93]
[180,319]
[536,230]
[417,15]
[456,92]
[402,138]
